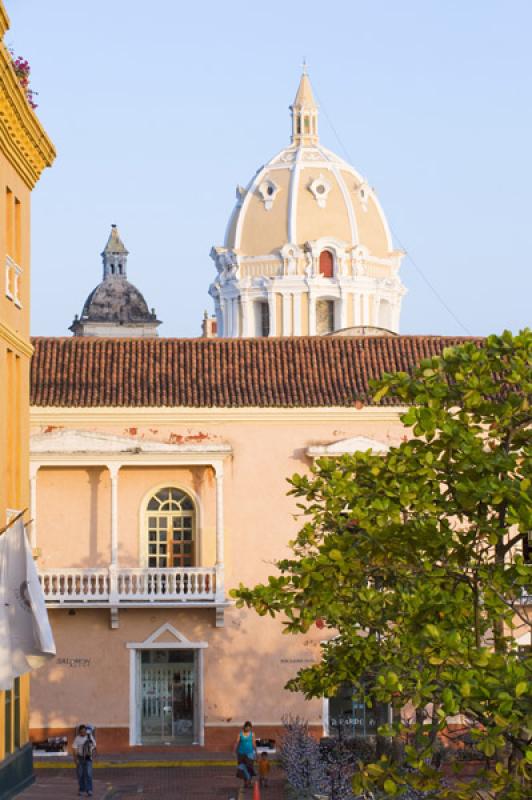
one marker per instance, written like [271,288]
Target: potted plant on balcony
[22,70]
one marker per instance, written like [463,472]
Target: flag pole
[13,520]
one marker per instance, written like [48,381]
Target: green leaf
[433,631]
[390,786]
[521,688]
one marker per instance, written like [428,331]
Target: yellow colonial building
[25,150]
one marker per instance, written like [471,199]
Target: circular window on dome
[321,189]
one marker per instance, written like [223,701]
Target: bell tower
[114,256]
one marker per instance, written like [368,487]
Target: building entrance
[168,687]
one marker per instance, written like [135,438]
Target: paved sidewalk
[126,781]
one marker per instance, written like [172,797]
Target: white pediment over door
[356,444]
[167,638]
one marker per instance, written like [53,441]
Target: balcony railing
[122,586]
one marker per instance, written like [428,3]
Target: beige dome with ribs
[306,192]
[307,248]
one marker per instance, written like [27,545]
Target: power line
[395,235]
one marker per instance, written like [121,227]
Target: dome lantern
[304,112]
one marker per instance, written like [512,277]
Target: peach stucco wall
[249,660]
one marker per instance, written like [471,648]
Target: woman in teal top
[245,753]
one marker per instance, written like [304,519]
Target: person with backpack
[83,748]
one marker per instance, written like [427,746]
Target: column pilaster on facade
[287,314]
[113,473]
[272,310]
[219,317]
[235,333]
[223,318]
[311,314]
[396,311]
[34,469]
[376,307]
[247,307]
[297,314]
[355,299]
[219,478]
[228,316]
[342,316]
[365,309]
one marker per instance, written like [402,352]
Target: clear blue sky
[159,109]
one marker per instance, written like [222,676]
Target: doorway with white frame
[166,689]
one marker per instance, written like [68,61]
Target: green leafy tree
[414,562]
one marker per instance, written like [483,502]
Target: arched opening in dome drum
[326,264]
[324,317]
[262,319]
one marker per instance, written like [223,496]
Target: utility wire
[394,233]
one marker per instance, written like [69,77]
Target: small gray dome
[115,299]
[115,307]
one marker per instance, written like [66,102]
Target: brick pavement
[135,782]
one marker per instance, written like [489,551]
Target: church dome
[115,307]
[303,194]
[307,250]
[115,299]
[307,192]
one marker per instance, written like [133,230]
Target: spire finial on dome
[114,256]
[304,112]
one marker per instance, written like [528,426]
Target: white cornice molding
[68,417]
[70,442]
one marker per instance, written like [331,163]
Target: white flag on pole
[26,639]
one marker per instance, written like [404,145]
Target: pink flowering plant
[22,71]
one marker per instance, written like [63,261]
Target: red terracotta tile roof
[200,373]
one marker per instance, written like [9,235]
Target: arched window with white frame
[326,262]
[171,529]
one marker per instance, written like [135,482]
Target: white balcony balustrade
[122,586]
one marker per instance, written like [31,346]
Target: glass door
[348,718]
[168,687]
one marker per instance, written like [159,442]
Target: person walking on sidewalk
[245,753]
[83,748]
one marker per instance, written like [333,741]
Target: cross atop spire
[304,112]
[304,70]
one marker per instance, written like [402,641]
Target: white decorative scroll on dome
[268,191]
